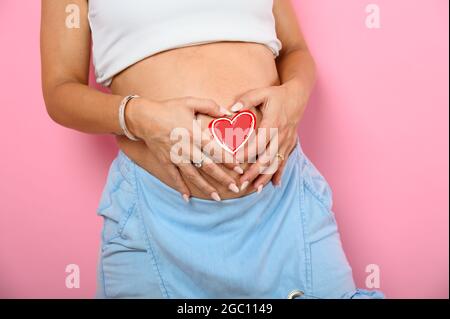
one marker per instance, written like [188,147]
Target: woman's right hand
[154,121]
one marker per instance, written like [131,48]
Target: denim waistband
[169,196]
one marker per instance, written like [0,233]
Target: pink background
[377,127]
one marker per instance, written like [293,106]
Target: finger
[265,178]
[276,179]
[206,106]
[257,144]
[262,165]
[252,98]
[179,183]
[212,149]
[276,167]
[249,152]
[191,174]
[212,169]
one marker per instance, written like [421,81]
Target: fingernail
[238,170]
[216,197]
[225,111]
[186,198]
[237,107]
[244,185]
[260,188]
[232,187]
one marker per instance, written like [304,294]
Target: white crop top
[125,32]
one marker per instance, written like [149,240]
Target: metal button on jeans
[295,294]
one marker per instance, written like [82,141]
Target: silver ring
[200,164]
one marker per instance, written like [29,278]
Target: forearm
[79,107]
[297,70]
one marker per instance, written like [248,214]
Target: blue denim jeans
[267,245]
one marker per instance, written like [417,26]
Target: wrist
[295,89]
[298,98]
[135,114]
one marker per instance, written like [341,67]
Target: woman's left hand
[282,108]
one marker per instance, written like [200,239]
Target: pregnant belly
[219,71]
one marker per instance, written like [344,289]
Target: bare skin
[177,86]
[217,76]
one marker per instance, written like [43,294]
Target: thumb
[253,98]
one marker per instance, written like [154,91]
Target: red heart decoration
[232,134]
